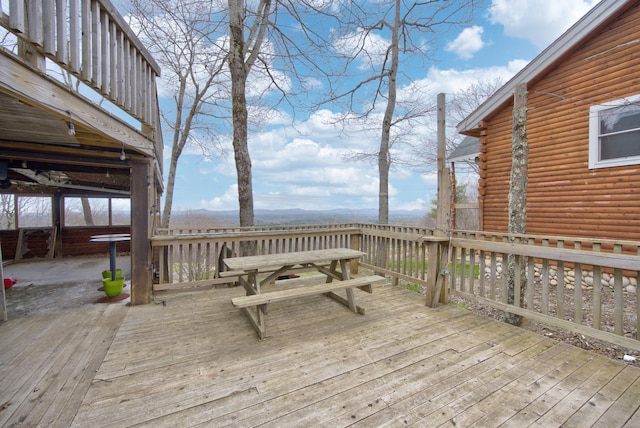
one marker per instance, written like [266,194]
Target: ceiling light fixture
[123,156]
[72,129]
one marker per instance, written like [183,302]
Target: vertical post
[354,245]
[3,302]
[444,184]
[517,198]
[141,185]
[432,273]
[454,195]
[57,211]
[438,251]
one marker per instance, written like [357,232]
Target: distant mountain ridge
[301,216]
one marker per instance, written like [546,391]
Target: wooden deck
[197,361]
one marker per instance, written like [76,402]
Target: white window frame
[594,136]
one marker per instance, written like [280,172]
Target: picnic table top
[291,258]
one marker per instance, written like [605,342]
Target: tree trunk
[384,158]
[518,200]
[86,211]
[168,192]
[238,70]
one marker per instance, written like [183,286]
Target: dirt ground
[51,286]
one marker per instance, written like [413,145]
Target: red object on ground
[8,282]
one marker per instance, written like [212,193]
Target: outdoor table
[278,264]
[272,266]
[112,239]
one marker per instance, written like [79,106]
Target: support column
[141,187]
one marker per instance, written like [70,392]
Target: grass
[467,270]
[417,266]
[417,288]
[461,305]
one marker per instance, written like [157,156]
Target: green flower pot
[113,288]
[107,273]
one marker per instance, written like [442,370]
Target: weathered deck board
[46,374]
[197,361]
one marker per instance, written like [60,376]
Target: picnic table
[255,272]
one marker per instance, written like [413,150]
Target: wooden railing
[467,265]
[403,253]
[587,286]
[89,39]
[194,257]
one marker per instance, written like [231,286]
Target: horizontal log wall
[564,196]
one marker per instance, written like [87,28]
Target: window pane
[620,118]
[86,212]
[120,211]
[34,211]
[7,211]
[620,145]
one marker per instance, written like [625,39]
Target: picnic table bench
[326,262]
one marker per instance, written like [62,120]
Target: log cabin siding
[564,196]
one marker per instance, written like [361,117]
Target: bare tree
[459,106]
[274,40]
[86,210]
[184,36]
[7,211]
[242,56]
[383,35]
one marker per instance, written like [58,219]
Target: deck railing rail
[463,264]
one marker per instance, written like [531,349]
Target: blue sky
[301,166]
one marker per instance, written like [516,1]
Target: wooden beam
[619,261]
[141,285]
[444,179]
[26,84]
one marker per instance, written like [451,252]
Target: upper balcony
[78,101]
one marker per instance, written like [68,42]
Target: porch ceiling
[43,158]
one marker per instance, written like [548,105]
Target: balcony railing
[89,39]
[565,282]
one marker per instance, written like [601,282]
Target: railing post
[437,271]
[432,272]
[442,291]
[354,244]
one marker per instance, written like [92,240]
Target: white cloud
[453,80]
[539,21]
[468,42]
[228,200]
[416,204]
